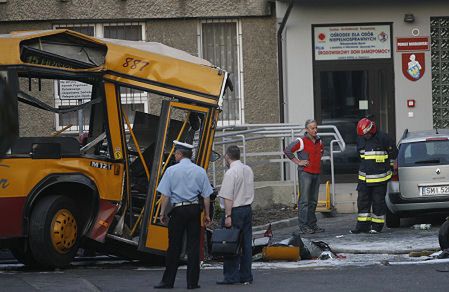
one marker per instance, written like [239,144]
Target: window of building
[439,31]
[132,99]
[220,43]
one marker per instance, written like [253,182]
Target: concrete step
[282,192]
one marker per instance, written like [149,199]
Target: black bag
[226,242]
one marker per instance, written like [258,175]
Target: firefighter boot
[376,228]
[361,227]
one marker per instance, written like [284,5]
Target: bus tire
[23,254]
[443,236]
[54,231]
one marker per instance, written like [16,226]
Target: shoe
[358,231]
[246,283]
[317,229]
[305,230]
[162,285]
[225,283]
[193,286]
[372,231]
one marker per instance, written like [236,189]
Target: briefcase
[226,242]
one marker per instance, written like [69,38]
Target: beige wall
[15,10]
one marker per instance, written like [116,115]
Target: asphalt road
[422,277]
[354,272]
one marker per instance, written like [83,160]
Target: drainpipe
[280,62]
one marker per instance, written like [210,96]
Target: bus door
[186,123]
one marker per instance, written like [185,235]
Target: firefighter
[376,149]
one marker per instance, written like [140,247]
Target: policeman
[181,186]
[375,149]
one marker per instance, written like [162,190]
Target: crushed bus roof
[150,66]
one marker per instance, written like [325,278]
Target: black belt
[242,206]
[185,203]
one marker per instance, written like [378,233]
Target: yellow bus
[89,177]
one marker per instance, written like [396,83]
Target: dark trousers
[309,186]
[238,268]
[183,218]
[371,198]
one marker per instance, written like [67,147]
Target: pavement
[391,241]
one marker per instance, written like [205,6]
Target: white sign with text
[69,89]
[352,42]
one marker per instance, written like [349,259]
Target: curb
[276,224]
[290,222]
[383,251]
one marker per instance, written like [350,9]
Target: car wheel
[23,254]
[392,220]
[54,231]
[443,236]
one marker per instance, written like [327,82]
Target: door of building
[346,91]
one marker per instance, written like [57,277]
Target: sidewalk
[401,240]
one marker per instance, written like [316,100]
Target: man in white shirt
[237,195]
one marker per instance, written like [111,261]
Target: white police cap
[182,145]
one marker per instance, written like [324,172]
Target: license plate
[435,191]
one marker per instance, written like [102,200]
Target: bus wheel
[23,254]
[55,231]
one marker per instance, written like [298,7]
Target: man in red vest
[309,150]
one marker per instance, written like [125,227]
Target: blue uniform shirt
[184,181]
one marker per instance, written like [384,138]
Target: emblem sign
[437,171]
[413,65]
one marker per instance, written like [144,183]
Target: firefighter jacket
[376,153]
[307,150]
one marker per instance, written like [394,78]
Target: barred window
[439,31]
[220,44]
[132,99]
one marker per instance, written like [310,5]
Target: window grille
[439,31]
[220,44]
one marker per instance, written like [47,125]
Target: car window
[423,153]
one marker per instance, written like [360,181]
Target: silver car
[421,178]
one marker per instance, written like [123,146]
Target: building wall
[15,10]
[299,54]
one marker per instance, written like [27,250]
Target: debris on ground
[422,226]
[422,253]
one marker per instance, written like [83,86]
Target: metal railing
[242,134]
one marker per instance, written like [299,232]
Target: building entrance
[346,91]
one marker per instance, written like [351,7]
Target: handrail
[251,132]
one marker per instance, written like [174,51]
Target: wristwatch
[226,216]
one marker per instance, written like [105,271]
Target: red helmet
[365,126]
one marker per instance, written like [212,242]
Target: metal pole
[332,171]
[281,164]
[293,173]
[80,118]
[243,147]
[214,175]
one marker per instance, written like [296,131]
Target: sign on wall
[410,44]
[352,42]
[413,65]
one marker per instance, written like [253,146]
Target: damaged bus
[87,128]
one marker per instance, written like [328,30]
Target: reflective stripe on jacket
[376,153]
